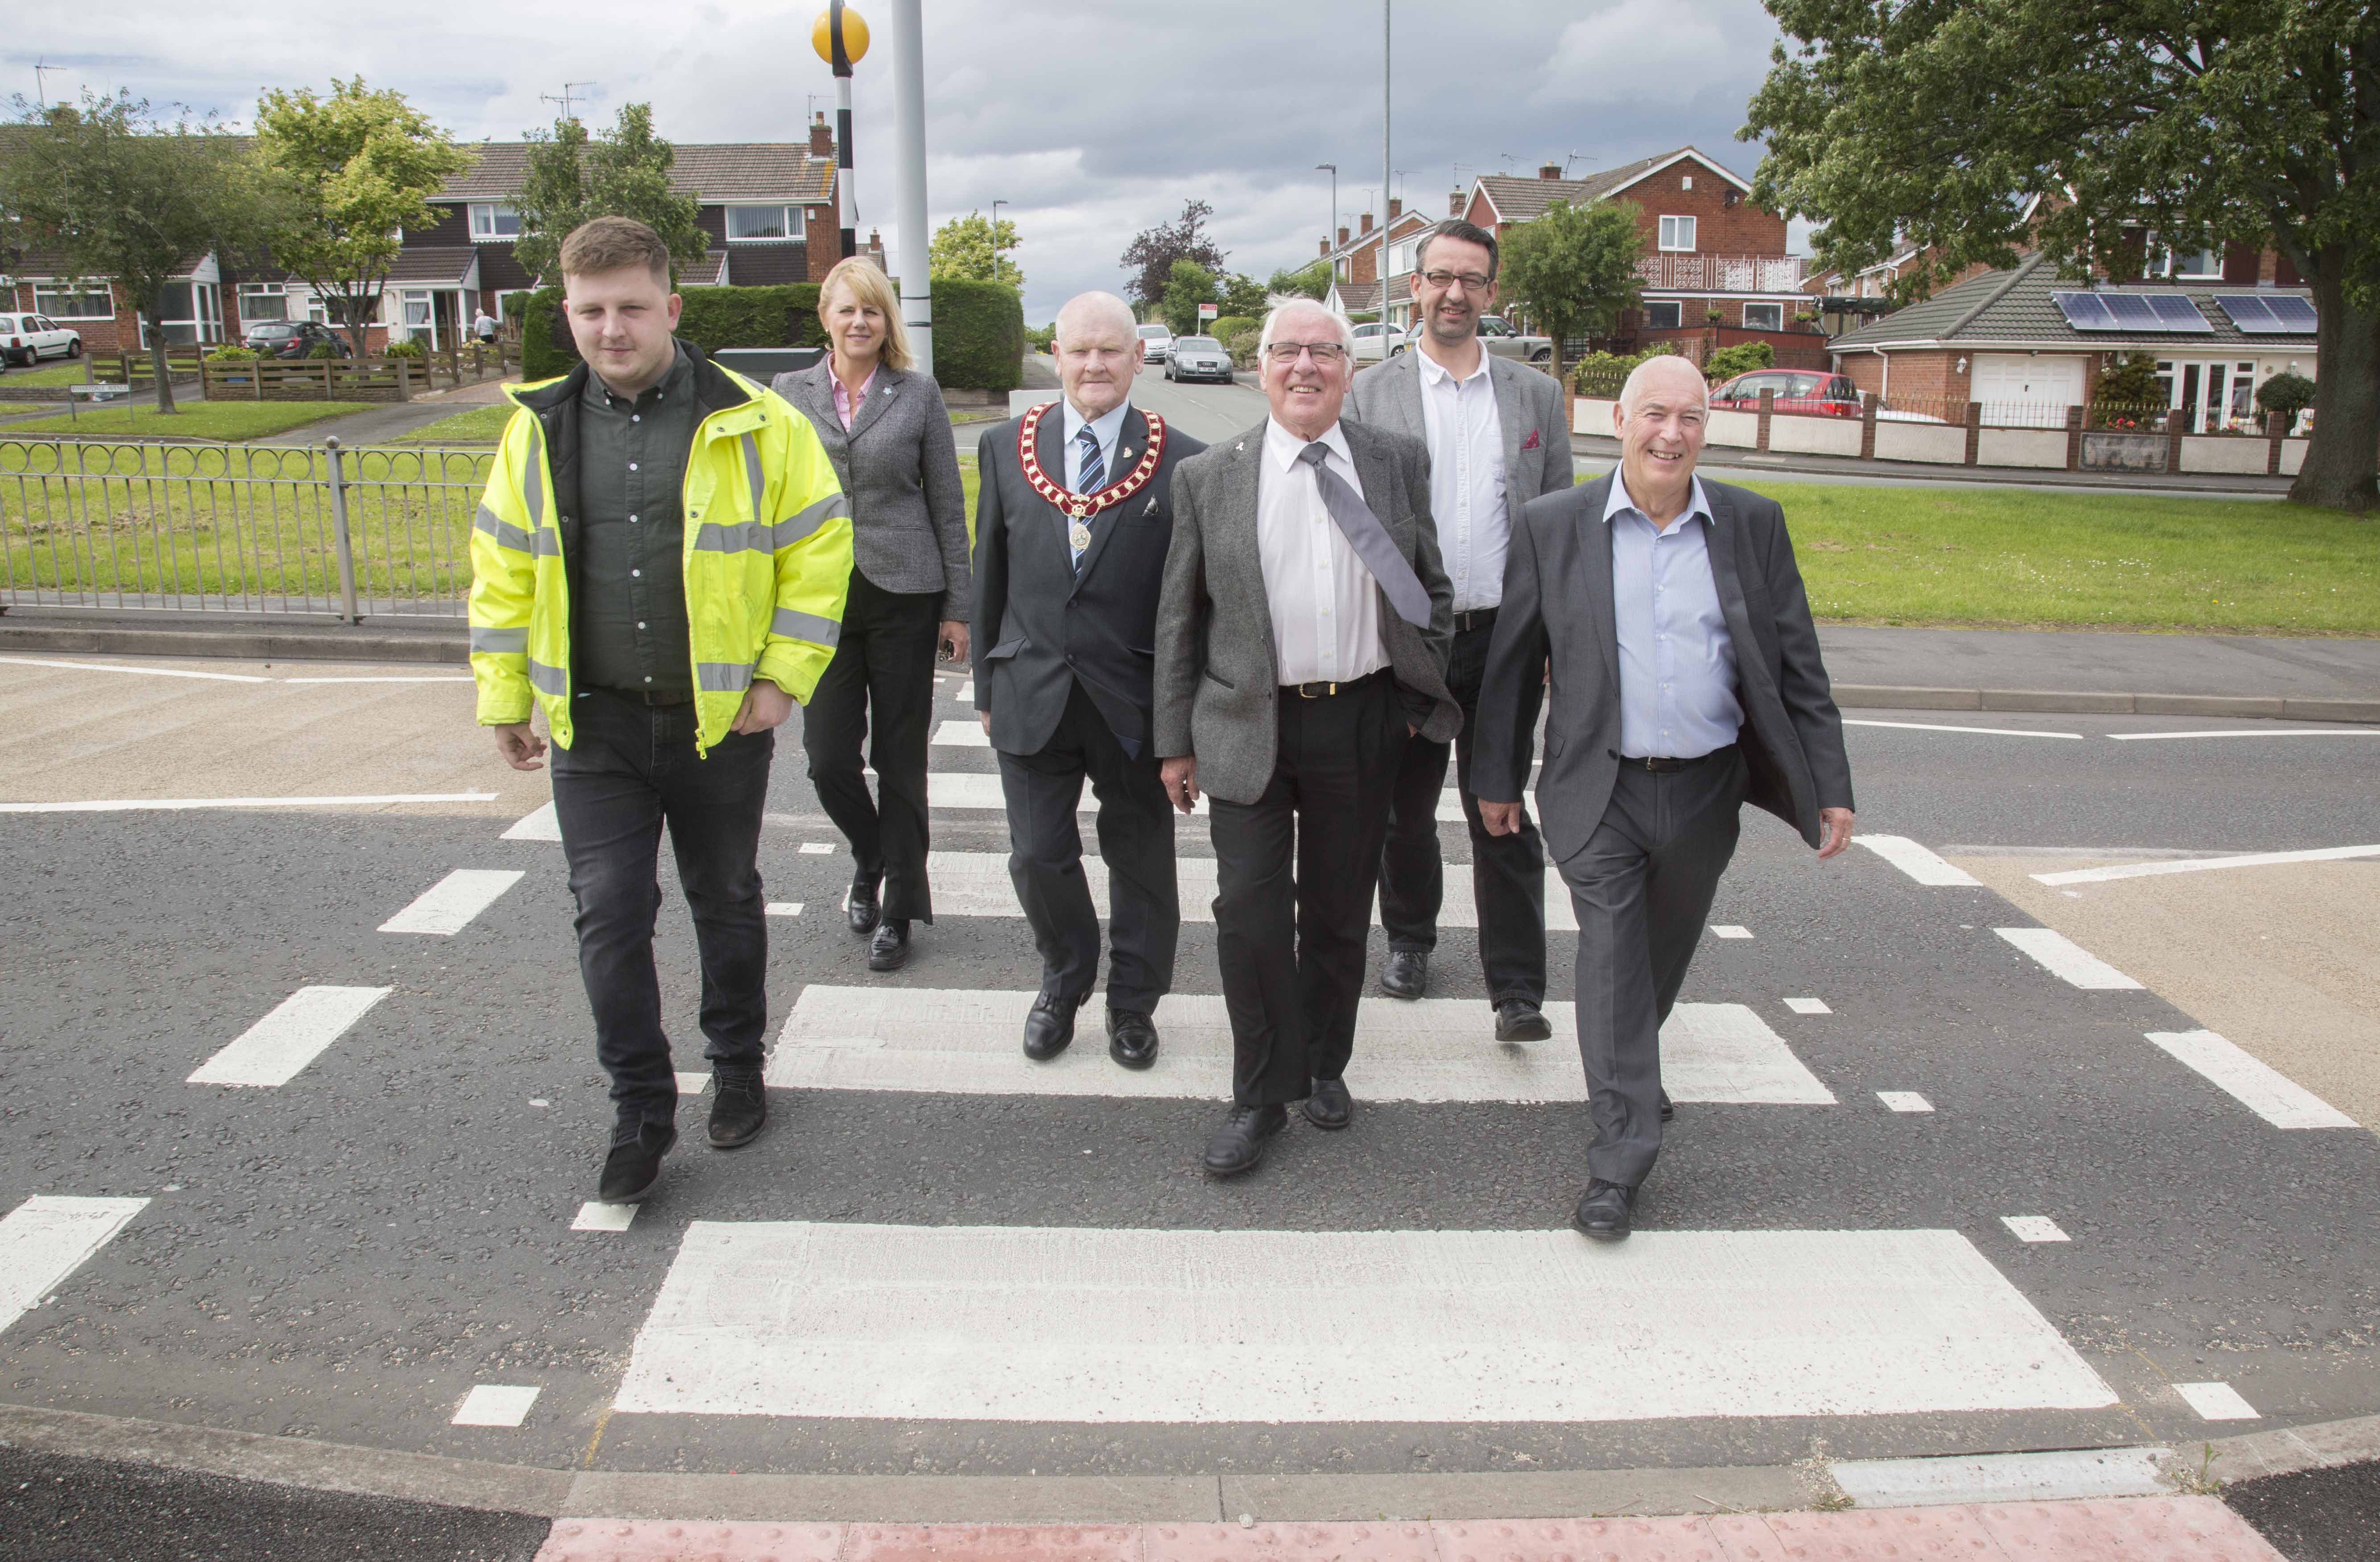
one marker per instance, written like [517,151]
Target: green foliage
[978,336]
[1041,337]
[2132,382]
[624,172]
[2287,394]
[1742,358]
[547,350]
[1573,269]
[1187,285]
[1311,280]
[407,348]
[1225,327]
[232,353]
[1242,296]
[1151,255]
[967,249]
[752,316]
[1362,317]
[1602,374]
[323,350]
[1241,342]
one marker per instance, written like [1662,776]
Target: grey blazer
[1558,604]
[900,469]
[1217,683]
[1528,406]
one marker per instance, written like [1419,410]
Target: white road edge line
[1988,732]
[46,1239]
[2068,961]
[595,1217]
[438,678]
[1918,861]
[2217,1402]
[1904,1101]
[2249,1080]
[2034,1229]
[142,672]
[539,824]
[276,1049]
[495,1404]
[447,907]
[186,804]
[2252,732]
[2205,865]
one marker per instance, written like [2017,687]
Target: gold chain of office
[1081,506]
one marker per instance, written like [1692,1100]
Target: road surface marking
[2217,1402]
[540,824]
[138,672]
[1904,1100]
[2205,865]
[784,908]
[1989,731]
[448,907]
[2255,1084]
[276,1049]
[594,1216]
[2068,961]
[436,678]
[955,733]
[495,1404]
[178,804]
[1917,862]
[1807,1006]
[692,1084]
[46,1239]
[2034,1229]
[1430,1050]
[818,848]
[2066,1475]
[1729,930]
[2252,732]
[965,694]
[952,1323]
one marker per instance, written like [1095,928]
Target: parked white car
[27,339]
[1154,340]
[1374,341]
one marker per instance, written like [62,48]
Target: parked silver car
[1496,334]
[1198,358]
[1154,339]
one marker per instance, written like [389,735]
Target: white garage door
[2022,391]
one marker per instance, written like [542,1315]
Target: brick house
[1355,265]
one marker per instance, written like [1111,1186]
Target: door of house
[2211,396]
[2020,389]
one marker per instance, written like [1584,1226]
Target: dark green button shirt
[629,630]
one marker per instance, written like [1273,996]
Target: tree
[349,173]
[1187,285]
[967,248]
[1572,269]
[1150,256]
[119,194]
[1243,295]
[624,172]
[1932,124]
[1311,281]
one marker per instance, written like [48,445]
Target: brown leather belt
[1319,690]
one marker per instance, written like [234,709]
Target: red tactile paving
[1580,1540]
[627,1540]
[2137,1530]
[1388,1541]
[1899,1535]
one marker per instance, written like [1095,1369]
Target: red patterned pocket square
[1531,442]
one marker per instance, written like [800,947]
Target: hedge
[978,334]
[1224,327]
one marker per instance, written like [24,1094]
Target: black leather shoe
[1132,1038]
[1329,1106]
[634,1163]
[888,947]
[1406,974]
[1605,1211]
[1668,1107]
[1050,1028]
[860,908]
[739,1105]
[1240,1143]
[1519,1019]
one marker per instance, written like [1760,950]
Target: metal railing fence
[238,529]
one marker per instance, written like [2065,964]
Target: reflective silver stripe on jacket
[548,680]
[503,531]
[805,627]
[532,491]
[729,676]
[712,538]
[803,522]
[500,640]
[752,473]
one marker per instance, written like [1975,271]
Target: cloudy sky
[1092,121]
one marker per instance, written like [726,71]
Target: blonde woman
[889,436]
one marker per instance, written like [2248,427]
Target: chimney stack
[821,136]
[1454,204]
[1396,208]
[1548,170]
[1326,247]
[1342,231]
[1367,220]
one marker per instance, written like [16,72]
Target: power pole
[995,238]
[1387,175]
[841,38]
[909,163]
[1331,233]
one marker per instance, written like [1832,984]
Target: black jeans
[884,665]
[1508,872]
[1294,877]
[631,769]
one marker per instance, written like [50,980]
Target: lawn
[194,420]
[480,425]
[67,373]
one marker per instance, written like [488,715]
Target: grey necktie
[1369,539]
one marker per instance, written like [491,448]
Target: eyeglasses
[1470,281]
[1286,352]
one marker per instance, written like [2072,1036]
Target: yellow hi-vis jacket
[767,557]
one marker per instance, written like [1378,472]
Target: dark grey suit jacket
[1217,681]
[1558,603]
[900,470]
[1528,406]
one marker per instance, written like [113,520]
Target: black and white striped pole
[840,36]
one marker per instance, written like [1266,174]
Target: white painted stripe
[540,824]
[2216,1402]
[952,1323]
[2067,959]
[1729,930]
[136,671]
[962,734]
[692,1084]
[276,1049]
[784,908]
[2254,732]
[818,848]
[2249,1080]
[976,884]
[1432,1050]
[1807,1006]
[594,1216]
[439,678]
[181,805]
[1917,862]
[1904,1100]
[2034,1229]
[2066,1475]
[1988,732]
[965,693]
[2205,865]
[46,1239]
[495,1404]
[448,907]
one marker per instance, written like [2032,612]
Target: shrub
[547,351]
[405,350]
[978,334]
[232,353]
[1242,346]
[323,350]
[1742,358]
[2287,394]
[1362,317]
[752,316]
[1041,338]
[1225,327]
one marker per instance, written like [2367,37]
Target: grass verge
[71,372]
[228,420]
[480,425]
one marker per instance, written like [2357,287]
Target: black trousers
[629,769]
[883,666]
[1508,872]
[1045,861]
[1642,886]
[1295,872]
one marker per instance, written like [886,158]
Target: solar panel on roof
[2176,312]
[2131,311]
[2161,314]
[2251,314]
[2083,311]
[2293,312]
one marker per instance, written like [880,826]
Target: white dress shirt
[1325,605]
[1106,428]
[1466,480]
[1677,660]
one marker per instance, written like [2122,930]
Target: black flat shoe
[1606,1211]
[888,947]
[739,1107]
[1406,974]
[1050,1028]
[1240,1143]
[1132,1038]
[1518,1019]
[634,1163]
[1330,1107]
[860,907]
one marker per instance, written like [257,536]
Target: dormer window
[771,222]
[491,221]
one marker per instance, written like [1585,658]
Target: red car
[1803,391]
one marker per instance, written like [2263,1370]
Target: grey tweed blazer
[900,472]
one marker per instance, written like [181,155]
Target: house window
[74,300]
[1764,317]
[1686,183]
[494,222]
[264,300]
[764,221]
[1662,314]
[2163,260]
[1341,267]
[1401,258]
[1676,232]
[188,312]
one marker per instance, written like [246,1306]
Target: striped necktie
[1095,471]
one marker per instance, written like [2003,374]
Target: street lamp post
[841,38]
[995,238]
[1331,233]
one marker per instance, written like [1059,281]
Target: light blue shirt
[1677,663]
[1107,430]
